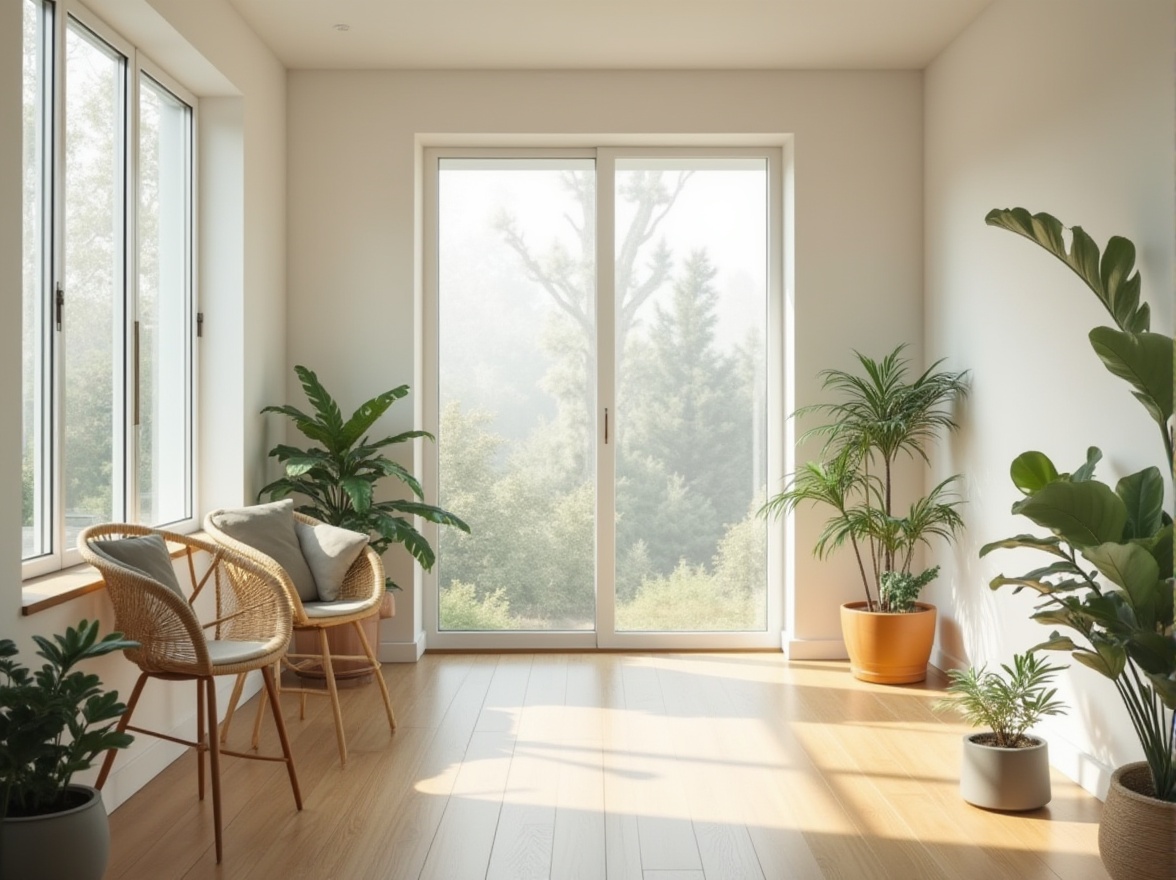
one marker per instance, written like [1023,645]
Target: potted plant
[880,415]
[1004,767]
[53,723]
[338,478]
[1109,579]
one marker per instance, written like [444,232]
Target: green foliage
[1121,535]
[340,475]
[51,720]
[880,415]
[1008,705]
[690,599]
[898,590]
[463,610]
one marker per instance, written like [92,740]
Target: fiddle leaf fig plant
[1110,574]
[339,475]
[881,414]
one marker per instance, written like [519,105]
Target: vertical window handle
[606,425]
[59,306]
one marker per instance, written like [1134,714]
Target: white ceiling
[609,34]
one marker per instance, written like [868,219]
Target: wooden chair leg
[108,761]
[238,686]
[261,700]
[214,760]
[201,744]
[267,674]
[329,673]
[379,675]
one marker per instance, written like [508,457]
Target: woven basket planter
[1137,835]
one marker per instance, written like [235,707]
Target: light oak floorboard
[608,766]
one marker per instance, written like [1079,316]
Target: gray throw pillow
[329,551]
[269,529]
[146,554]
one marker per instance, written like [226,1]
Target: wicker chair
[251,630]
[359,599]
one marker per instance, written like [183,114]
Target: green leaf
[1043,587]
[1165,688]
[367,414]
[1110,279]
[1160,546]
[1051,545]
[1056,642]
[1032,471]
[1086,471]
[359,490]
[427,512]
[1133,569]
[1084,514]
[1109,660]
[1143,496]
[327,410]
[1144,360]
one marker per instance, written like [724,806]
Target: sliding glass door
[603,431]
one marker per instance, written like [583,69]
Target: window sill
[56,588]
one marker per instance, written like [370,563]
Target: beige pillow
[269,529]
[329,552]
[146,554]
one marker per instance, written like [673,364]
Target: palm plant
[880,416]
[1007,705]
[339,476]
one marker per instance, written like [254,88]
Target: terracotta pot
[74,843]
[1137,834]
[888,648]
[343,640]
[387,606]
[999,778]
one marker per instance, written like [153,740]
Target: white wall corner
[812,649]
[403,652]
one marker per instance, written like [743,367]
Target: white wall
[210,50]
[353,201]
[1064,107]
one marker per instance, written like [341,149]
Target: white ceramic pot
[1004,779]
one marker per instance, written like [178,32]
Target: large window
[603,323]
[107,286]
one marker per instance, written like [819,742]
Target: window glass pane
[94,282]
[35,458]
[164,403]
[691,307]
[517,361]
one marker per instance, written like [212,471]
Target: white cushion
[336,609]
[329,552]
[269,529]
[146,554]
[226,652]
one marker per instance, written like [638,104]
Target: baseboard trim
[812,649]
[403,652]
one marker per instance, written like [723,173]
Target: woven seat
[359,598]
[250,630]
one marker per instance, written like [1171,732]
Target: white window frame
[60,556]
[605,636]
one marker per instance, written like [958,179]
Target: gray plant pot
[72,844]
[1004,779]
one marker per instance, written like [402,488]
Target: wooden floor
[618,766]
